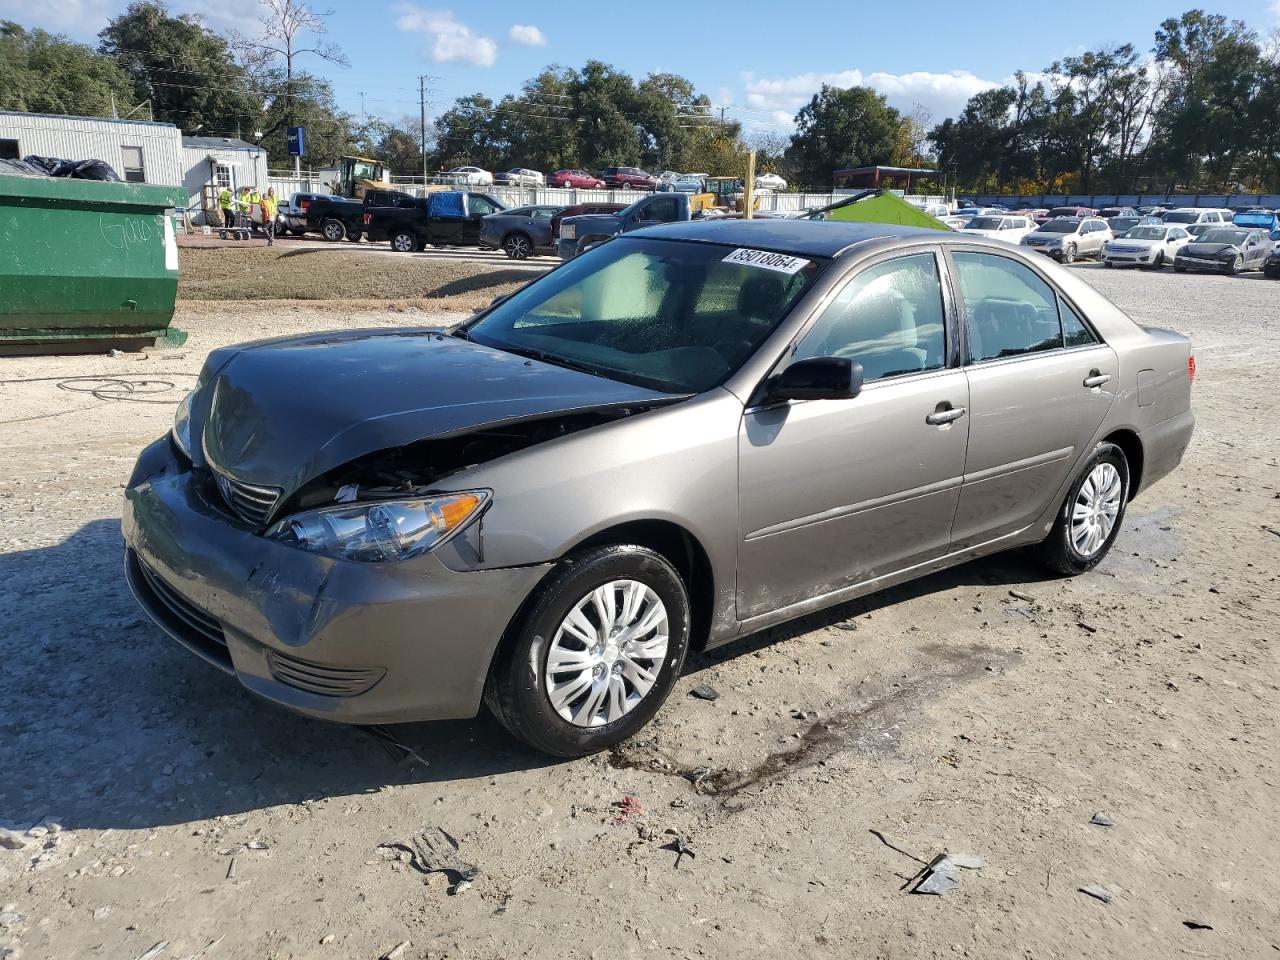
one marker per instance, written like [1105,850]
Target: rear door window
[1009,309]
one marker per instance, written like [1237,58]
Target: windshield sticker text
[767,260]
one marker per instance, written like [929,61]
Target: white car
[519,177]
[770,181]
[955,223]
[1146,245]
[471,176]
[1009,228]
[1187,215]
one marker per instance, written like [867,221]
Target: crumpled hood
[283,412]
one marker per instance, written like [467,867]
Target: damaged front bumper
[340,640]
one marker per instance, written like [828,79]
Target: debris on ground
[627,810]
[1020,595]
[400,754]
[680,848]
[435,851]
[967,861]
[1196,925]
[1102,820]
[704,692]
[897,848]
[1097,891]
[155,951]
[397,951]
[938,877]
[1087,627]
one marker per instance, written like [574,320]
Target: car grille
[321,678]
[250,503]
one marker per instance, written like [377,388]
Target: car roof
[825,238]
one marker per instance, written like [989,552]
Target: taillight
[1191,368]
[367,218]
[304,204]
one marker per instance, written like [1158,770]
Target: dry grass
[304,272]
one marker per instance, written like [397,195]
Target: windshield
[1060,226]
[1180,216]
[983,223]
[1254,219]
[1224,236]
[1146,233]
[667,315]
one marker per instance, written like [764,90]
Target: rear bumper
[1163,447]
[345,641]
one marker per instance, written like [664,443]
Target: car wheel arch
[1131,445]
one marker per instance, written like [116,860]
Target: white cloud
[451,40]
[531,36]
[78,18]
[944,94]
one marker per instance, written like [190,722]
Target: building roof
[809,238]
[66,116]
[219,143]
[896,171]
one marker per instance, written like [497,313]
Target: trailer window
[8,149]
[134,171]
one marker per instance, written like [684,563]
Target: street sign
[297,143]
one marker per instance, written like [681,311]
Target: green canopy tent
[878,206]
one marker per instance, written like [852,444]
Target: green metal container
[85,265]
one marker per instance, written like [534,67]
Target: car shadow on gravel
[106,722]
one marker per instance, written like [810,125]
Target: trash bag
[20,168]
[78,169]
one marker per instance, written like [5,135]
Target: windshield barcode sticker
[766,259]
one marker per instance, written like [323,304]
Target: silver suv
[1067,238]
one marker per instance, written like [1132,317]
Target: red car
[578,179]
[632,177]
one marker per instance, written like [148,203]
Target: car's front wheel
[1090,517]
[1237,265]
[1069,253]
[597,653]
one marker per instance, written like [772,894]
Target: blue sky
[762,60]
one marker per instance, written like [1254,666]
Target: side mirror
[818,378]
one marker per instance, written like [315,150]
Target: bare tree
[285,26]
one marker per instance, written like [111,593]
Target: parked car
[1275,240]
[295,214]
[1187,215]
[1256,220]
[446,218]
[1010,228]
[1066,239]
[1146,245]
[1106,213]
[547,509]
[338,218]
[520,177]
[1271,268]
[1071,211]
[770,181]
[1037,215]
[1151,210]
[681,183]
[520,233]
[470,177]
[1228,250]
[1121,225]
[581,209]
[955,223]
[580,234]
[1199,229]
[632,178]
[578,179]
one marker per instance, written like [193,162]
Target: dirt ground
[952,714]
[454,278]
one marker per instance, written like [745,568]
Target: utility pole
[422,109]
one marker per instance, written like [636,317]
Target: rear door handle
[1096,379]
[944,414]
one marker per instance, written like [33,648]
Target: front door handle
[1096,379]
[944,414]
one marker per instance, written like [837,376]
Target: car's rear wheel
[1090,517]
[1069,253]
[404,241]
[333,230]
[517,246]
[597,653]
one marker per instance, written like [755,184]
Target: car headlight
[181,431]
[381,530]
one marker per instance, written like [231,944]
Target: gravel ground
[945,715]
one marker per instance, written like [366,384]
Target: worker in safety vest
[227,204]
[269,215]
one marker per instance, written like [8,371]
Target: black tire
[1158,262]
[1057,551]
[517,689]
[333,230]
[405,241]
[1107,263]
[1069,253]
[1178,269]
[298,233]
[517,246]
[355,237]
[1237,265]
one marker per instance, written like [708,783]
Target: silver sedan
[686,435]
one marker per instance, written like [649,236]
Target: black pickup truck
[449,218]
[336,218]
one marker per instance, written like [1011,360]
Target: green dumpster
[85,265]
